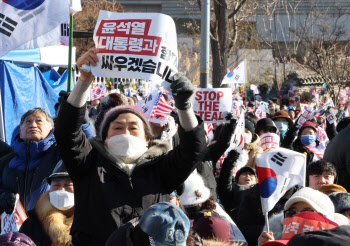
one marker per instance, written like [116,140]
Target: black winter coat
[338,153]
[4,149]
[213,153]
[296,145]
[33,229]
[242,203]
[106,197]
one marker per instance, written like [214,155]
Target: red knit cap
[308,124]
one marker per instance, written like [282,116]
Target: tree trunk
[220,42]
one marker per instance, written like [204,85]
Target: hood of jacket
[254,144]
[156,148]
[55,222]
[34,149]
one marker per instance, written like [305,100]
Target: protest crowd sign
[13,221]
[212,104]
[143,46]
[136,45]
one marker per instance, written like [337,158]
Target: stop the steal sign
[212,105]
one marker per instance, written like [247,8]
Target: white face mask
[126,145]
[247,138]
[281,125]
[62,200]
[269,141]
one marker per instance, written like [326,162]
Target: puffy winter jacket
[106,197]
[24,170]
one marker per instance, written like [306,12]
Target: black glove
[63,96]
[232,156]
[7,202]
[232,118]
[182,89]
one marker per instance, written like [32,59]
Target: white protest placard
[236,108]
[12,222]
[136,45]
[303,107]
[212,105]
[305,116]
[333,114]
[237,142]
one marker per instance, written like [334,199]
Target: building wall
[300,14]
[176,9]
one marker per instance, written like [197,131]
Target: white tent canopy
[51,56]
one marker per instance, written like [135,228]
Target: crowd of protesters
[111,177]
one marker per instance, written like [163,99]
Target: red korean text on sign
[128,36]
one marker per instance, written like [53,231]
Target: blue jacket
[24,170]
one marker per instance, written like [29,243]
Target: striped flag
[260,111]
[210,127]
[162,108]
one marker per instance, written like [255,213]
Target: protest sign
[254,88]
[308,112]
[278,170]
[237,143]
[12,222]
[269,141]
[333,115]
[212,105]
[303,107]
[136,45]
[236,108]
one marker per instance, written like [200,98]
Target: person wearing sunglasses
[304,200]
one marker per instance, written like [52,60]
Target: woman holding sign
[123,171]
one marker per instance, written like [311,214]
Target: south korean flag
[23,21]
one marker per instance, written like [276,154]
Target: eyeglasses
[291,213]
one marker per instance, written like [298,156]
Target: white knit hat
[316,199]
[195,192]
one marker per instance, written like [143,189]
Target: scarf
[312,148]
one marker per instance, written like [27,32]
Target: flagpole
[267,222]
[70,51]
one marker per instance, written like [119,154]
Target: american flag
[162,108]
[260,111]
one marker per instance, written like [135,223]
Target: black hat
[249,124]
[341,201]
[60,171]
[243,170]
[264,123]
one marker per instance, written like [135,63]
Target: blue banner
[23,88]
